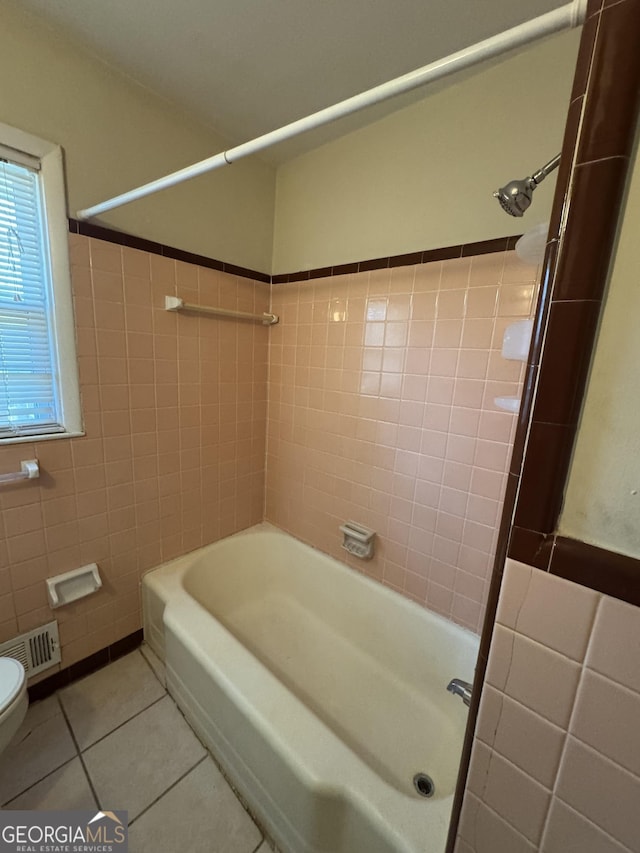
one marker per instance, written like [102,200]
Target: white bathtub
[320,692]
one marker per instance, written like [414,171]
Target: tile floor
[116,740]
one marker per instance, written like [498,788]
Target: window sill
[36,439]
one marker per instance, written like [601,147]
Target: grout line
[173,785]
[504,693]
[515,829]
[521,704]
[614,681]
[574,710]
[148,663]
[470,800]
[120,725]
[607,758]
[236,793]
[88,776]
[594,825]
[591,641]
[541,644]
[512,763]
[33,785]
[82,762]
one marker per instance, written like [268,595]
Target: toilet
[13,699]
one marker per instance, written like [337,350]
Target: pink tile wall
[381,410]
[173,458]
[556,759]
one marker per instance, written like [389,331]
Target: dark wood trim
[86,666]
[446,253]
[121,238]
[463,250]
[606,571]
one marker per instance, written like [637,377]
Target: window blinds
[28,397]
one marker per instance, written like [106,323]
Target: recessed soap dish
[70,586]
[358,539]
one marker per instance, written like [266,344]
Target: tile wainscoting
[175,413]
[174,410]
[381,410]
[556,758]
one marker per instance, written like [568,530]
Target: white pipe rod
[570,15]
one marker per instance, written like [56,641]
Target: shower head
[515,197]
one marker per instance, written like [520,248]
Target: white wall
[602,503]
[117,135]
[423,176]
[420,178]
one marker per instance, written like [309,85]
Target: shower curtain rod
[565,17]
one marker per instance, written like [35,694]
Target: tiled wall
[556,759]
[173,458]
[381,410]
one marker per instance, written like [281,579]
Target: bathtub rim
[372,794]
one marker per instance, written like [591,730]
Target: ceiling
[244,67]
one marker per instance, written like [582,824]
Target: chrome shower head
[515,197]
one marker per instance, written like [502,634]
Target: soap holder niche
[358,539]
[70,586]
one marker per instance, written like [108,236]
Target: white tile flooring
[116,740]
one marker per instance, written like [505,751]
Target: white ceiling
[248,66]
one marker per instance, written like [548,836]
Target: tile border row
[123,238]
[86,666]
[608,572]
[446,253]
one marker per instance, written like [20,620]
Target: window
[38,375]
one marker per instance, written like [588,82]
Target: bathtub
[320,692]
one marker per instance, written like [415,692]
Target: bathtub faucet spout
[460,688]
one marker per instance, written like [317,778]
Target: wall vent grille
[36,650]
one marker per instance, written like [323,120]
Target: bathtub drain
[424,785]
